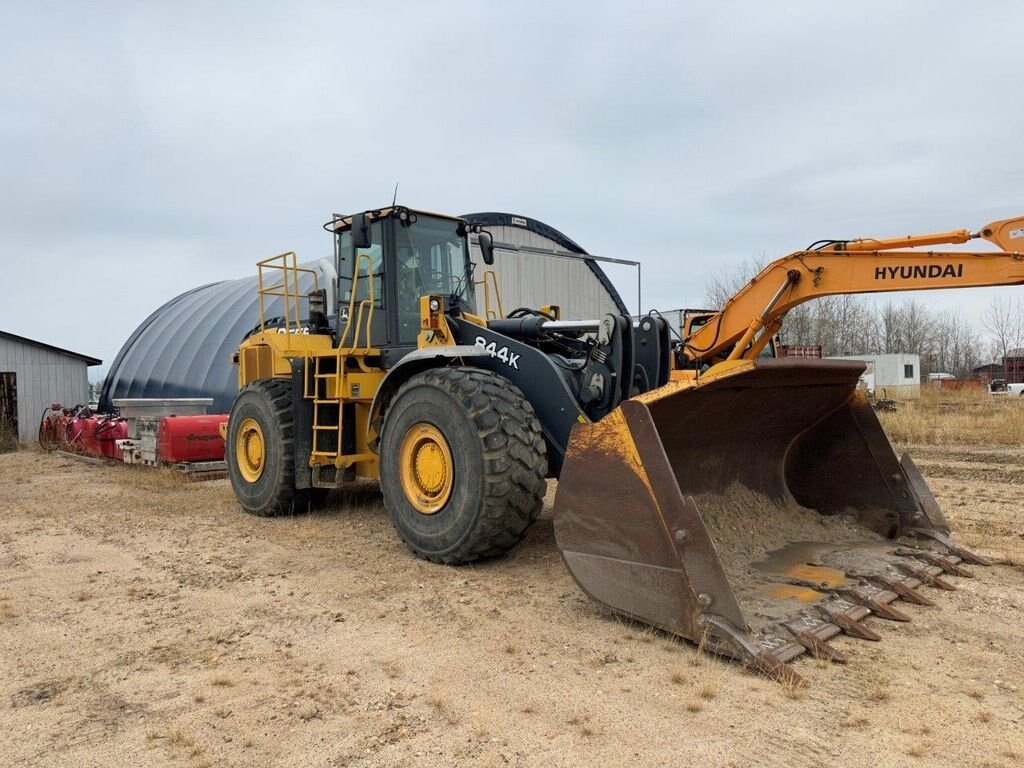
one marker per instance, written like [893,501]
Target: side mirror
[486,247]
[360,231]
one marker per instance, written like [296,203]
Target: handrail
[489,313]
[367,303]
[287,288]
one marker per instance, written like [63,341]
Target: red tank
[73,430]
[106,431]
[190,438]
[95,435]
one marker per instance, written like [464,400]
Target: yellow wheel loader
[750,504]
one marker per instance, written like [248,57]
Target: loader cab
[386,260]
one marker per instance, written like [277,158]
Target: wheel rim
[425,468]
[250,450]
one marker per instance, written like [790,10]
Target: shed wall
[578,285]
[532,280]
[890,373]
[43,377]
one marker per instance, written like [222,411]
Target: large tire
[497,460]
[270,491]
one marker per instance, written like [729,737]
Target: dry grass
[694,706]
[222,680]
[677,676]
[582,723]
[392,668]
[8,437]
[708,689]
[794,688]
[7,611]
[985,716]
[918,749]
[180,738]
[441,706]
[153,479]
[878,692]
[856,720]
[968,417]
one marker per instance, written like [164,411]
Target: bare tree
[724,284]
[1004,321]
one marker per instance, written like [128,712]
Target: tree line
[948,341]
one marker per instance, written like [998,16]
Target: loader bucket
[754,511]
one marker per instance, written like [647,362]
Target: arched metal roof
[184,348]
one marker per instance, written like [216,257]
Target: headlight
[435,305]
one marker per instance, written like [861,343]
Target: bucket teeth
[904,590]
[921,572]
[770,666]
[873,598]
[947,564]
[964,554]
[838,614]
[816,646]
[757,655]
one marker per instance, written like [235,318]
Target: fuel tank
[190,438]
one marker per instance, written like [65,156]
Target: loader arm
[755,313]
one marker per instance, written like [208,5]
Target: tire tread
[514,459]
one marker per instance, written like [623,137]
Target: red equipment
[190,438]
[79,430]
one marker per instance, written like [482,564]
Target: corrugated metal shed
[41,374]
[184,348]
[579,287]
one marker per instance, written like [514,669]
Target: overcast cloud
[151,147]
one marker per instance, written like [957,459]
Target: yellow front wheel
[425,467]
[260,450]
[462,464]
[250,449]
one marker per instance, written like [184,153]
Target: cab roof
[341,221]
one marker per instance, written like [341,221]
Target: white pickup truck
[1000,387]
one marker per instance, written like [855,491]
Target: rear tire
[261,461]
[479,480]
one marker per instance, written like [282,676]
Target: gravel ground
[147,621]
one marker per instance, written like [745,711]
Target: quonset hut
[184,348]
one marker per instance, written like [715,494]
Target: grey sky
[151,147]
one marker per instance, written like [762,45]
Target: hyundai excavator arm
[752,316]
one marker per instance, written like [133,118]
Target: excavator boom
[865,265]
